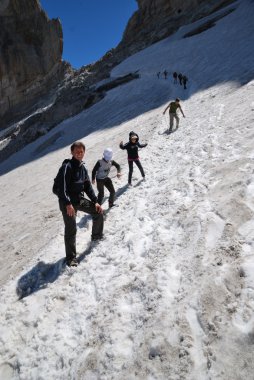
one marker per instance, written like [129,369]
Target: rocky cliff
[30,56]
[157,19]
[38,90]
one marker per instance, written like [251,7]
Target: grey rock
[157,19]
[30,57]
[38,90]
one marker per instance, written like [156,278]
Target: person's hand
[98,208]
[70,210]
[121,143]
[119,175]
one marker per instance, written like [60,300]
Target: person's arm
[123,146]
[141,145]
[166,109]
[94,171]
[88,188]
[64,183]
[181,110]
[90,193]
[118,168]
[65,180]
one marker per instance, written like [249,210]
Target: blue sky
[90,27]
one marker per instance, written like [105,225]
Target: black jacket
[132,148]
[74,181]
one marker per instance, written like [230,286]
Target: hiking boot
[97,238]
[72,263]
[112,205]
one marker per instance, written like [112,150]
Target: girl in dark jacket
[132,151]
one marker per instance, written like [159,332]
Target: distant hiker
[173,107]
[72,181]
[101,171]
[158,74]
[180,77]
[175,77]
[132,151]
[185,80]
[165,74]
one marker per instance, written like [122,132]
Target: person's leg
[177,120]
[130,171]
[100,188]
[109,185]
[171,121]
[69,233]
[138,163]
[89,208]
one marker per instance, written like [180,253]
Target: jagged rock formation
[30,56]
[32,75]
[157,19]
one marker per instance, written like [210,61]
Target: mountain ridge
[33,102]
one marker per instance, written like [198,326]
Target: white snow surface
[169,293]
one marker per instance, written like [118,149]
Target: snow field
[169,293]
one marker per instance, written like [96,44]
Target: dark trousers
[70,230]
[138,163]
[107,182]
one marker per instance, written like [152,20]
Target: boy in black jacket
[132,151]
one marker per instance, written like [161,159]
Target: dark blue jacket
[73,182]
[132,147]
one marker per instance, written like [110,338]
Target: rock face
[38,90]
[157,19]
[30,56]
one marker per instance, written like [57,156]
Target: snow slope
[169,293]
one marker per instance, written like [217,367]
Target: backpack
[56,184]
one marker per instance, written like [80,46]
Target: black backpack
[56,184]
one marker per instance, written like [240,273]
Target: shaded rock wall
[36,84]
[30,56]
[157,19]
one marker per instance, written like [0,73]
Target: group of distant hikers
[176,76]
[72,181]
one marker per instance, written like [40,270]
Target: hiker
[101,171]
[73,181]
[185,80]
[175,77]
[165,74]
[132,151]
[180,77]
[173,107]
[158,74]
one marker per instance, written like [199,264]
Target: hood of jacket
[132,133]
